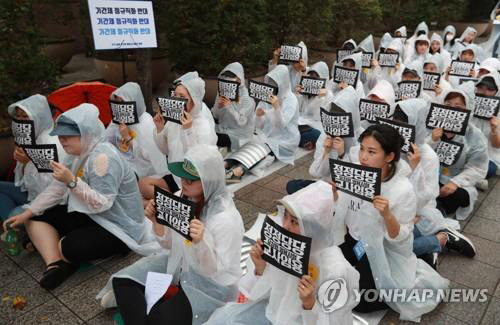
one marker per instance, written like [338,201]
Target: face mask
[449,37]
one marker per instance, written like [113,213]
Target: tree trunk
[143,63]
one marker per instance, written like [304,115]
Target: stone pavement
[74,303]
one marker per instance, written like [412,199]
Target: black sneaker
[458,242]
[431,259]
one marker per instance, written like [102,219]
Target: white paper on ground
[156,286]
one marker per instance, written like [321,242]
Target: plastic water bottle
[13,243]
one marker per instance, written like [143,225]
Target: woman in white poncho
[449,38]
[278,298]
[295,70]
[383,92]
[236,119]
[420,50]
[409,45]
[379,238]
[367,76]
[205,270]
[104,211]
[435,64]
[174,139]
[353,61]
[28,182]
[391,74]
[437,48]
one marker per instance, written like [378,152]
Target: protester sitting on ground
[467,54]
[353,61]
[421,50]
[28,182]
[434,64]
[409,46]
[383,92]
[276,297]
[437,48]
[235,119]
[449,38]
[174,139]
[295,70]
[206,269]
[103,215]
[390,74]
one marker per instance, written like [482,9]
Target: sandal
[57,273]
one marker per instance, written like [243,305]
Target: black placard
[23,132]
[360,181]
[341,54]
[261,91]
[462,80]
[461,68]
[290,54]
[431,80]
[172,108]
[350,76]
[450,119]
[388,59]
[485,107]
[406,130]
[312,86]
[367,58]
[228,89]
[124,112]
[371,110]
[41,155]
[285,250]
[173,211]
[337,124]
[408,89]
[448,152]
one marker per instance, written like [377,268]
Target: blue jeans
[311,136]
[424,244]
[492,169]
[11,197]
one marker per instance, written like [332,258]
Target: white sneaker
[108,300]
[482,185]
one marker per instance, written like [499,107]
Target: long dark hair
[390,140]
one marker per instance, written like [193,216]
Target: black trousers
[366,280]
[223,140]
[459,199]
[84,240]
[132,305]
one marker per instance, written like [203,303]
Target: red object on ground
[95,92]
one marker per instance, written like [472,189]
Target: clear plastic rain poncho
[392,75]
[437,60]
[418,67]
[238,119]
[384,42]
[144,157]
[479,51]
[448,44]
[425,177]
[348,100]
[174,141]
[402,30]
[392,261]
[472,164]
[367,76]
[106,190]
[455,80]
[444,53]
[278,128]
[490,65]
[409,48]
[484,125]
[273,296]
[309,106]
[294,75]
[27,176]
[383,90]
[358,65]
[419,57]
[208,271]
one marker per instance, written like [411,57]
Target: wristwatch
[72,184]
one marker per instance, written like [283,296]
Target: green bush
[479,10]
[24,70]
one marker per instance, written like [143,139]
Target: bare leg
[46,240]
[443,238]
[147,184]
[238,171]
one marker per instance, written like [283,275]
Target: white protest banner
[341,54]
[41,155]
[406,130]
[367,59]
[312,86]
[408,89]
[448,152]
[172,108]
[450,119]
[122,24]
[228,89]
[23,132]
[461,68]
[360,181]
[173,211]
[431,80]
[348,75]
[337,124]
[290,54]
[124,112]
[485,107]
[371,110]
[388,59]
[285,250]
[261,91]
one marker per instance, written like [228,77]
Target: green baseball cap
[184,170]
